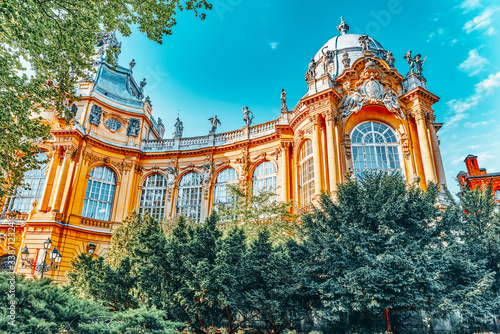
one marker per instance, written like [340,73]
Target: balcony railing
[304,209]
[190,143]
[90,222]
[14,216]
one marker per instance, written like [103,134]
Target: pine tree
[373,255]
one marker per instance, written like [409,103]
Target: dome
[345,43]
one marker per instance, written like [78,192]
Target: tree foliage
[42,307]
[55,41]
[255,212]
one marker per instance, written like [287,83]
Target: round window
[113,124]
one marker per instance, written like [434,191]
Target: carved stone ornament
[172,174]
[73,110]
[113,124]
[134,125]
[95,115]
[406,146]
[346,61]
[391,102]
[91,159]
[347,146]
[311,71]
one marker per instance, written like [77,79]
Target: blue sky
[246,51]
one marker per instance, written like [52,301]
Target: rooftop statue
[131,64]
[141,89]
[365,43]
[389,59]
[343,27]
[346,61]
[327,58]
[284,107]
[410,61]
[419,64]
[246,116]
[214,121]
[178,128]
[311,71]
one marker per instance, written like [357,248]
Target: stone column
[51,173]
[437,155]
[332,151]
[425,148]
[284,173]
[318,184]
[63,177]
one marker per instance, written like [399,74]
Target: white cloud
[453,41]
[476,124]
[459,107]
[474,63]
[488,84]
[483,20]
[274,45]
[491,31]
[469,5]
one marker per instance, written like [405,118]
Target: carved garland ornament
[91,159]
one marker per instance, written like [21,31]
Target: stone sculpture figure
[207,173]
[178,128]
[390,100]
[419,64]
[95,115]
[353,102]
[134,125]
[246,116]
[389,58]
[214,121]
[410,61]
[148,100]
[311,71]
[365,43]
[141,88]
[284,107]
[171,177]
[327,58]
[346,61]
[131,64]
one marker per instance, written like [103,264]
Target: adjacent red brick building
[476,177]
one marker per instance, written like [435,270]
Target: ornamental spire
[343,27]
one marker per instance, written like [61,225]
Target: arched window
[264,177]
[24,198]
[100,193]
[374,148]
[189,196]
[497,195]
[221,194]
[306,173]
[153,196]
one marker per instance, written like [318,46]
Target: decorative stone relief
[346,61]
[95,115]
[91,159]
[347,146]
[172,174]
[74,110]
[113,124]
[134,125]
[406,146]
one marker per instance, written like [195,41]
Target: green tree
[374,254]
[56,41]
[40,307]
[472,255]
[272,294]
[257,212]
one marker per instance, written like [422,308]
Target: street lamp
[91,249]
[55,258]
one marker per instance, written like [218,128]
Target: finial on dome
[343,27]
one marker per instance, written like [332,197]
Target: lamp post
[55,258]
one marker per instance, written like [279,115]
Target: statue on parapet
[415,62]
[284,107]
[365,43]
[389,59]
[246,116]
[346,61]
[214,121]
[311,71]
[178,128]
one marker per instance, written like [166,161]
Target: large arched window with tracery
[23,199]
[153,196]
[375,147]
[306,173]
[222,196]
[100,194]
[189,196]
[264,177]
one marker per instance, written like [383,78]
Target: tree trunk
[388,320]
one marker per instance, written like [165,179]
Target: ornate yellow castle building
[359,115]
